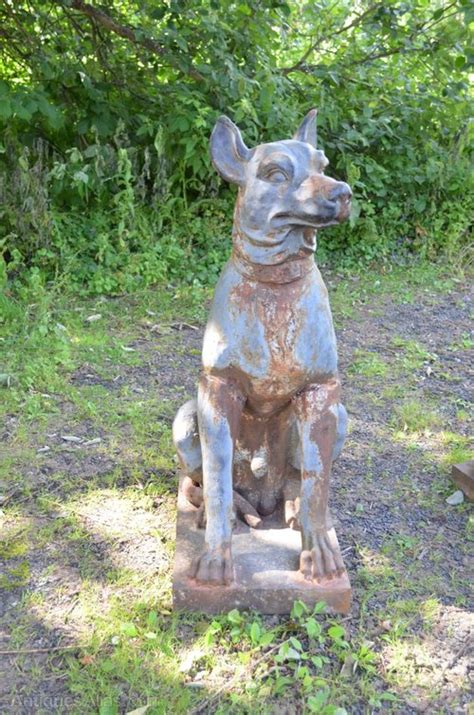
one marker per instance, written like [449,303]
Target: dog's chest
[278,337]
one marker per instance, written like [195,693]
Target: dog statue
[268,422]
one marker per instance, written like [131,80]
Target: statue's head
[282,184]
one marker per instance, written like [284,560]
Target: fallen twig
[459,653]
[30,651]
[181,325]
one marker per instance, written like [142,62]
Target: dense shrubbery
[106,110]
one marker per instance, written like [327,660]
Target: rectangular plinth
[266,571]
[463,477]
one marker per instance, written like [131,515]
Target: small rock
[93,318]
[90,442]
[43,449]
[71,438]
[126,349]
[455,498]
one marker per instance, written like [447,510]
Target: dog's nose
[342,192]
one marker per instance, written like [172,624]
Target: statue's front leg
[220,404]
[316,410]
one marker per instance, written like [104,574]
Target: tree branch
[420,29]
[298,65]
[128,33]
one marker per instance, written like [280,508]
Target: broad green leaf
[313,628]
[255,632]
[336,632]
[299,608]
[234,617]
[316,702]
[5,108]
[129,629]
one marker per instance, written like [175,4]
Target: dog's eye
[275,175]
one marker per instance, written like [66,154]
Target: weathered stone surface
[266,563]
[463,477]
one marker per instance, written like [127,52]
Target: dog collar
[290,270]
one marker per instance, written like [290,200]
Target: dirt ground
[95,513]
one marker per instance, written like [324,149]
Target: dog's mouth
[330,213]
[306,220]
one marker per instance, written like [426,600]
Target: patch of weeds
[415,416]
[152,656]
[464,342]
[401,546]
[342,302]
[368,364]
[91,402]
[376,567]
[12,468]
[12,548]
[395,391]
[409,664]
[460,447]
[15,576]
[413,355]
[430,610]
[14,545]
[404,296]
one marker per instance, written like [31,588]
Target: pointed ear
[228,151]
[307,131]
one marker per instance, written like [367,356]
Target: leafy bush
[106,114]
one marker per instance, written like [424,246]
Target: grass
[412,416]
[368,364]
[411,355]
[90,527]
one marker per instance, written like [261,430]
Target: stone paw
[214,566]
[245,511]
[242,510]
[323,560]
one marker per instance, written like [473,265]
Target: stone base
[266,570]
[463,477]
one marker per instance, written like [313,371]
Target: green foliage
[105,117]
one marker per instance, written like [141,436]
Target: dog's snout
[341,192]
